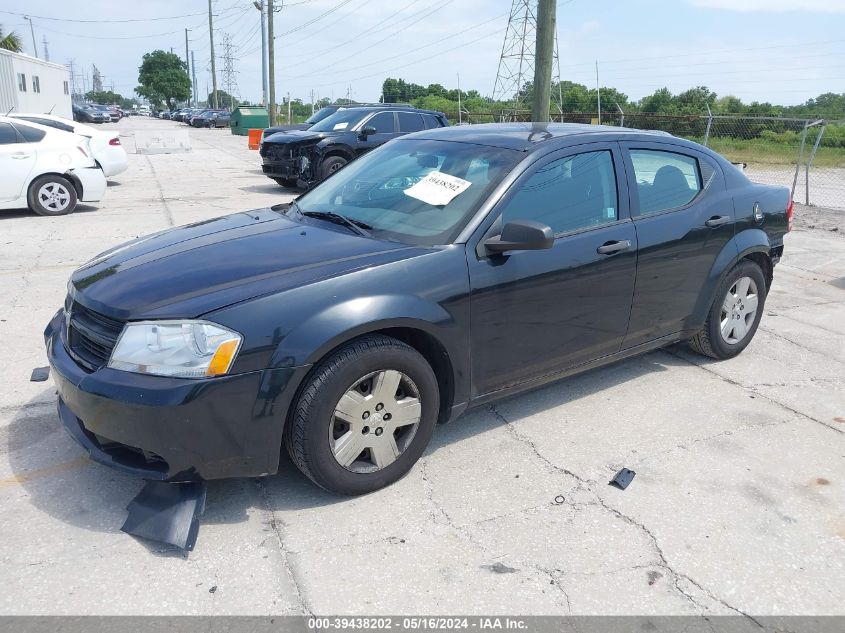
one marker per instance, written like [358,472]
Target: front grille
[91,336]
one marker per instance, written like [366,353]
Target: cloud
[777,6]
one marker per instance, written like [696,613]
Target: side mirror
[521,235]
[368,130]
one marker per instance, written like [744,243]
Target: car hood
[293,137]
[287,128]
[195,269]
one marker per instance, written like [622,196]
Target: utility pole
[187,60]
[271,64]
[288,108]
[32,32]
[312,101]
[543,57]
[598,91]
[194,74]
[459,99]
[260,7]
[211,43]
[46,52]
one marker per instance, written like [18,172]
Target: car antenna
[9,110]
[50,111]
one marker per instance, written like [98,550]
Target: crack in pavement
[662,561]
[736,383]
[264,496]
[168,215]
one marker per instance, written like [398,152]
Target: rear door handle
[717,220]
[20,155]
[617,246]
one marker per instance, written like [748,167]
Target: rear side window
[410,122]
[30,134]
[7,134]
[665,180]
[383,122]
[432,121]
[568,194]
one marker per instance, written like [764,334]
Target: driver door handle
[616,246]
[20,155]
[717,220]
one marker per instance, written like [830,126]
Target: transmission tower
[516,65]
[96,80]
[230,78]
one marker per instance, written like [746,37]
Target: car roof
[389,106]
[44,128]
[526,136]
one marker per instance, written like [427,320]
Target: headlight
[183,349]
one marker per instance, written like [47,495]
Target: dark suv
[323,113]
[305,157]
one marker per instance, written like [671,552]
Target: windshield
[320,114]
[419,192]
[340,120]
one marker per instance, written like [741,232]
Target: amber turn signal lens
[223,357]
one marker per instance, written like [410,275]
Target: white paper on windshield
[438,189]
[340,126]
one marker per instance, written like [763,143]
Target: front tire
[51,195]
[289,183]
[735,313]
[364,417]
[331,165]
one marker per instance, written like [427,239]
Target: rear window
[64,127]
[30,134]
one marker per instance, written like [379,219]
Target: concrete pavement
[738,505]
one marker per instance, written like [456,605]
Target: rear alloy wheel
[51,195]
[365,416]
[735,314]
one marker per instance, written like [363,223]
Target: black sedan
[442,271]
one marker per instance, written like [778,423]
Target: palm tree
[11,42]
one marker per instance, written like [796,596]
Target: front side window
[665,180]
[383,123]
[567,194]
[36,84]
[21,82]
[384,189]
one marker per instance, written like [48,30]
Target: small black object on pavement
[622,479]
[40,374]
[167,513]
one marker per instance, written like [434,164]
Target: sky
[781,51]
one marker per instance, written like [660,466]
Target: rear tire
[735,313]
[51,195]
[331,165]
[364,417]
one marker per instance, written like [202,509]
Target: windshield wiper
[361,228]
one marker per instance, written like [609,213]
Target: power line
[42,17]
[314,20]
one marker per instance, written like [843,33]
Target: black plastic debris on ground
[167,513]
[622,479]
[40,374]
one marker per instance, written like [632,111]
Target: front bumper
[173,429]
[286,168]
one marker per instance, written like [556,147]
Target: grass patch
[761,151]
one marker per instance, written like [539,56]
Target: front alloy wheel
[364,415]
[375,421]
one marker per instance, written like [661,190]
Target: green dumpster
[245,118]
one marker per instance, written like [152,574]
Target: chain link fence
[808,156]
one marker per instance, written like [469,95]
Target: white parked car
[105,145]
[46,169]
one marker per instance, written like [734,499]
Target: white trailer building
[28,84]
